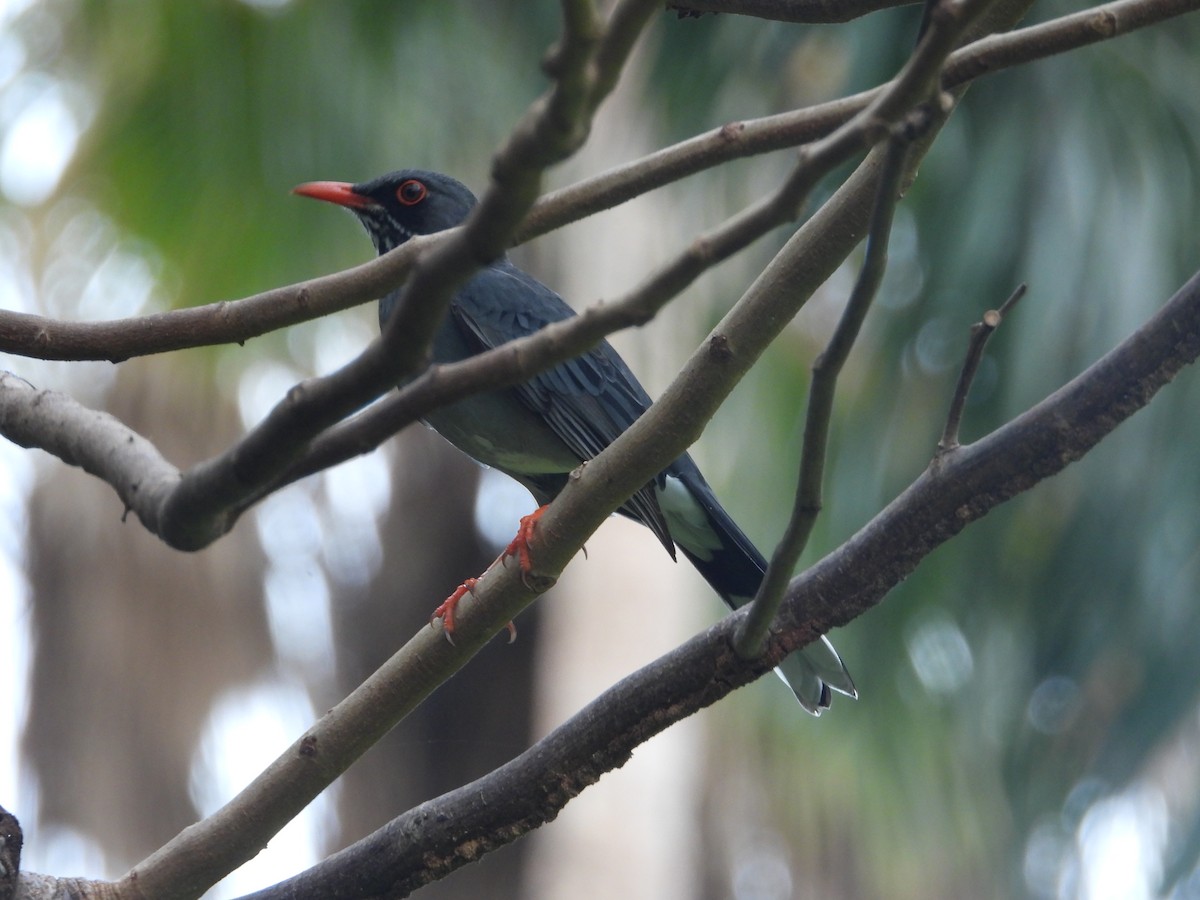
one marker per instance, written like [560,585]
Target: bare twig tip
[1013,299]
[980,332]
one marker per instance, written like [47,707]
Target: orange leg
[445,612]
[519,547]
[520,544]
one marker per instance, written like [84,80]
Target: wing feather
[587,401]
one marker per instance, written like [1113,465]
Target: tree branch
[981,332]
[192,510]
[237,321]
[95,441]
[751,637]
[205,504]
[206,851]
[585,69]
[737,140]
[226,322]
[960,486]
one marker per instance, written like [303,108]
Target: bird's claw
[445,611]
[519,546]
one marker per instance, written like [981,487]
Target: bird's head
[399,205]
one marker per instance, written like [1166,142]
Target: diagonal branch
[963,485]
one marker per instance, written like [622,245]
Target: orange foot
[445,612]
[520,544]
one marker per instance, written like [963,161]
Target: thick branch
[960,487]
[97,442]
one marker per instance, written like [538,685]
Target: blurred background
[1030,720]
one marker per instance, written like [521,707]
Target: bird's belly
[500,431]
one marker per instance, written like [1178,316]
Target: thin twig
[751,636]
[981,332]
[737,140]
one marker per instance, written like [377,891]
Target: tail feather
[734,568]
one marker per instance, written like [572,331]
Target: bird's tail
[734,568]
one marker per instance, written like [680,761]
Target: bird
[540,431]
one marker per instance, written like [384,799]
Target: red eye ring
[411,192]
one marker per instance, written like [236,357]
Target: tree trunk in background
[134,640]
[477,721]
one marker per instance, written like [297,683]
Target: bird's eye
[411,192]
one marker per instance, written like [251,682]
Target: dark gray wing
[587,401]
